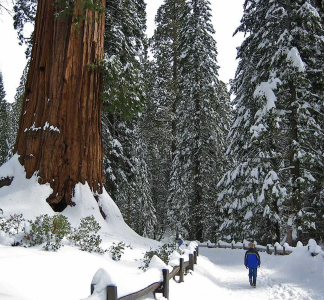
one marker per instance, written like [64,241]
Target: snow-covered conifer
[203,118]
[274,138]
[164,100]
[125,164]
[4,123]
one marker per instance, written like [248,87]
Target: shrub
[51,231]
[163,252]
[85,235]
[117,250]
[48,230]
[13,225]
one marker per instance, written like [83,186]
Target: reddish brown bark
[64,93]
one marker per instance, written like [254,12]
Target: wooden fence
[157,287]
[268,249]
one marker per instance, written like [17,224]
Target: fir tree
[278,85]
[125,159]
[319,4]
[157,135]
[4,123]
[192,110]
[203,115]
[15,110]
[24,13]
[170,20]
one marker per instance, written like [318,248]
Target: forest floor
[35,274]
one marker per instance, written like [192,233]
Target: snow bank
[28,197]
[300,266]
[23,195]
[5,239]
[313,247]
[157,263]
[128,283]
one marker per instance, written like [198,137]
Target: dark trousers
[253,274]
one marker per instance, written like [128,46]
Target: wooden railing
[268,249]
[157,287]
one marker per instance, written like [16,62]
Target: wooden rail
[266,249]
[157,287]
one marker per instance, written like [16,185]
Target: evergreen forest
[188,155]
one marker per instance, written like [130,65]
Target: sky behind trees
[226,18]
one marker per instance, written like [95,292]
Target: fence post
[181,271]
[218,245]
[232,245]
[195,257]
[165,288]
[111,292]
[275,250]
[191,262]
[268,249]
[284,250]
[197,250]
[92,288]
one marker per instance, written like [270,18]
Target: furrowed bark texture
[60,128]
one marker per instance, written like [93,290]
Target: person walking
[252,262]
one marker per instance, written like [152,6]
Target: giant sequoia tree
[59,133]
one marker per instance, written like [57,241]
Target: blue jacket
[252,258]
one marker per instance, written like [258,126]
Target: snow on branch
[293,56]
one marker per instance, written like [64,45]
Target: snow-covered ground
[220,274]
[35,274]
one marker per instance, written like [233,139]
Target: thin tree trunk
[59,133]
[175,87]
[294,163]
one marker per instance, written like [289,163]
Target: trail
[221,274]
[225,268]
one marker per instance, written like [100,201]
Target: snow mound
[157,263]
[313,247]
[23,195]
[28,197]
[100,281]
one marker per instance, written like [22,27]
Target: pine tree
[218,164]
[319,4]
[157,136]
[125,149]
[170,20]
[4,123]
[202,119]
[24,13]
[278,86]
[15,110]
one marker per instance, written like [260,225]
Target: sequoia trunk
[60,125]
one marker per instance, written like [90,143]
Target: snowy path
[220,274]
